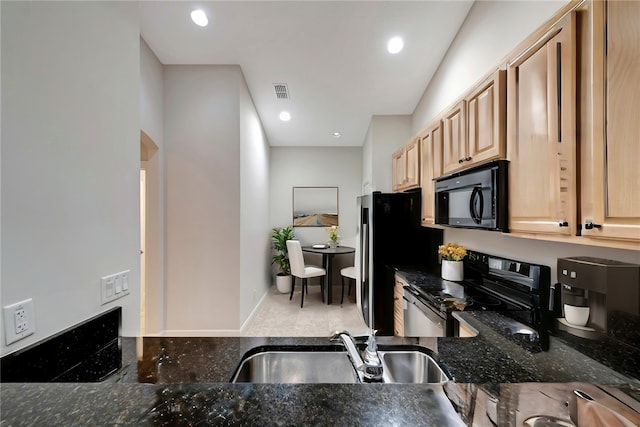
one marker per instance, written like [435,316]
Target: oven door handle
[476,213]
[431,313]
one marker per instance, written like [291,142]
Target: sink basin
[331,364]
[296,367]
[411,367]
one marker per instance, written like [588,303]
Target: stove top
[447,295]
[517,288]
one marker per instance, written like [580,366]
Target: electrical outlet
[19,320]
[114,286]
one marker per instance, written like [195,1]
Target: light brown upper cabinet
[541,134]
[406,166]
[474,128]
[454,142]
[399,164]
[486,120]
[430,167]
[610,128]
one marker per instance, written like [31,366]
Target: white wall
[217,194]
[151,94]
[152,123]
[385,135]
[70,159]
[367,161]
[537,251]
[317,167]
[201,137]
[491,30]
[1,174]
[255,228]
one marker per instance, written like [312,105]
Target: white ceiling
[331,54]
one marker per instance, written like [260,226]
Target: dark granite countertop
[188,384]
[98,404]
[416,275]
[492,358]
[185,381]
[498,357]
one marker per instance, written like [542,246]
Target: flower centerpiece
[452,266]
[333,236]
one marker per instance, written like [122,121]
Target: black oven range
[515,289]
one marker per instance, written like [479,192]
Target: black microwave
[474,198]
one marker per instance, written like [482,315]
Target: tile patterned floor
[279,317]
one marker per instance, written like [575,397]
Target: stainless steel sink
[330,364]
[296,367]
[411,367]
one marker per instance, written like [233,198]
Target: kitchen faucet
[369,368]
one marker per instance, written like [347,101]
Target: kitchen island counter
[129,404]
[184,381]
[171,381]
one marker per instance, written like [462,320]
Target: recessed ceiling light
[395,45]
[285,116]
[199,17]
[336,134]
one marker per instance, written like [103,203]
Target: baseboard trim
[200,333]
[213,332]
[246,323]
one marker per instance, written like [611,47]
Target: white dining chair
[349,273]
[302,271]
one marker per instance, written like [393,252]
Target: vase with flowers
[452,266]
[333,236]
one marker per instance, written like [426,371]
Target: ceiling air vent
[282,92]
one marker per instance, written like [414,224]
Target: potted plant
[452,255]
[279,237]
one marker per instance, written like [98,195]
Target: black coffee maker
[590,290]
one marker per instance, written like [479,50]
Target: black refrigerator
[390,235]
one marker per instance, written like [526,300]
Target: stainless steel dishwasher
[420,320]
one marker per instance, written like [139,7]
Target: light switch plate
[114,286]
[19,320]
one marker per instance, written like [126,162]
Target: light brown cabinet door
[398,309]
[399,161]
[473,130]
[541,135]
[611,163]
[454,143]
[406,167]
[486,121]
[430,168]
[464,331]
[412,176]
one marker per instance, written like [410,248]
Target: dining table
[328,253]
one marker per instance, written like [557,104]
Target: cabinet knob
[564,224]
[589,225]
[467,159]
[461,160]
